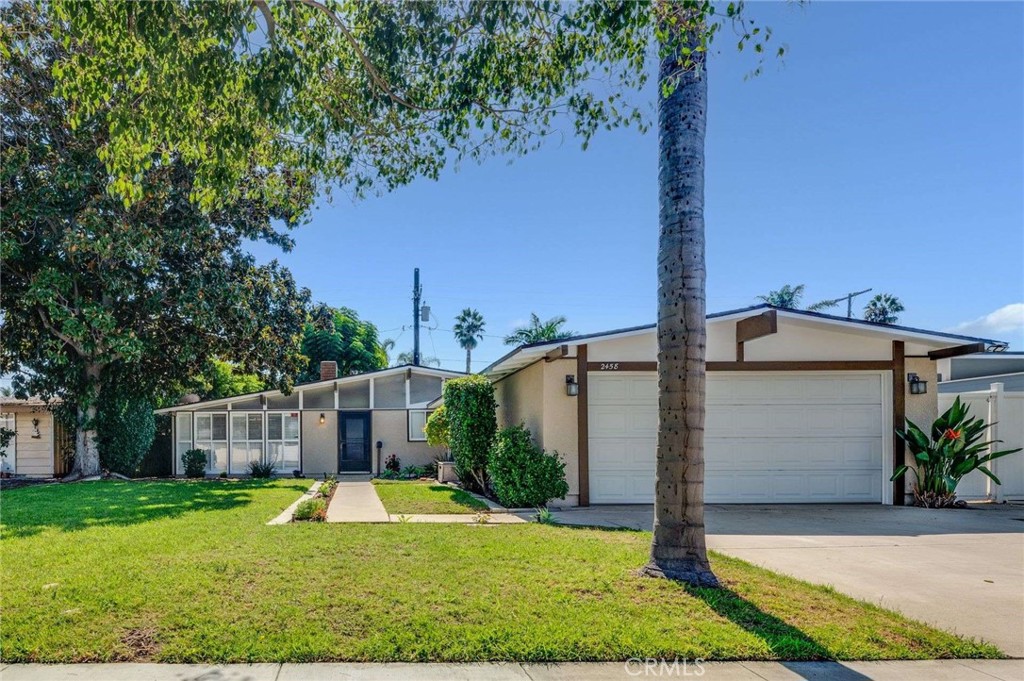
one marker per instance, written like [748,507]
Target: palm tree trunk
[468,352]
[678,550]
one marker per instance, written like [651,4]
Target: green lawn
[190,572]
[402,497]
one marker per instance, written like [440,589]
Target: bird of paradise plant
[953,450]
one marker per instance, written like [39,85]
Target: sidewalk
[355,501]
[929,670]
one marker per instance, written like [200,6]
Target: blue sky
[887,151]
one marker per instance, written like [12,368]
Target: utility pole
[849,301]
[417,291]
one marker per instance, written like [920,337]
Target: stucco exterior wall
[921,409]
[795,341]
[391,427]
[521,399]
[559,430]
[33,455]
[319,443]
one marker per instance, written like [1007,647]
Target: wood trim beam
[831,365]
[757,326]
[583,425]
[968,349]
[739,351]
[558,353]
[899,415]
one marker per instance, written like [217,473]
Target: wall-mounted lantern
[917,386]
[323,419]
[35,429]
[572,388]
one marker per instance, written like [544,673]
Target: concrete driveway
[961,570]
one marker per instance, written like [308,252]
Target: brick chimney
[328,371]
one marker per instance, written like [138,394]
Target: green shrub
[523,474]
[470,406]
[311,509]
[956,447]
[393,463]
[326,488]
[437,428]
[125,428]
[258,469]
[194,462]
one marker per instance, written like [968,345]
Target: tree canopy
[339,335]
[538,331]
[149,290]
[884,308]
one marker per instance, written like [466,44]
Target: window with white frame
[8,462]
[212,437]
[283,440]
[417,424]
[246,440]
[182,438]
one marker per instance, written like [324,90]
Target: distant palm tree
[789,297]
[387,345]
[406,358]
[469,330]
[884,308]
[538,331]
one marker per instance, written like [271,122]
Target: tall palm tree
[469,330]
[884,308]
[678,548]
[537,331]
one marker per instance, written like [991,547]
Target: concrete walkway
[959,570]
[930,670]
[355,501]
[286,514]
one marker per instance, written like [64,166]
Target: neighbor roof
[527,354]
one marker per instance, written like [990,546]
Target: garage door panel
[767,439]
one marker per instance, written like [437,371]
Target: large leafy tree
[539,331]
[366,94]
[469,331]
[95,287]
[339,335]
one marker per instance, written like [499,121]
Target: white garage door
[769,437]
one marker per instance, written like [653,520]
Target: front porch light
[323,419]
[917,386]
[572,388]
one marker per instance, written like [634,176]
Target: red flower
[951,434]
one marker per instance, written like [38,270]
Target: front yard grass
[408,497]
[181,571]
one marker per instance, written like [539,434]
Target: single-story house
[339,424]
[992,385]
[39,442]
[800,406]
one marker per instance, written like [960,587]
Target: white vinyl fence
[1006,411]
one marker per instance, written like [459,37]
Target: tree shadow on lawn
[81,505]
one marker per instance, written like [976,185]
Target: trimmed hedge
[523,474]
[470,407]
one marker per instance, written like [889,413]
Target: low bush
[522,474]
[311,509]
[326,487]
[194,463]
[393,463]
[388,474]
[259,469]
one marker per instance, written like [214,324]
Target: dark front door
[354,442]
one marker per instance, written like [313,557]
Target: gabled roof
[299,387]
[529,353]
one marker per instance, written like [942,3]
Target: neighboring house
[37,448]
[992,385]
[800,406]
[348,424]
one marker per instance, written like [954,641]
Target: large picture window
[212,437]
[246,441]
[283,440]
